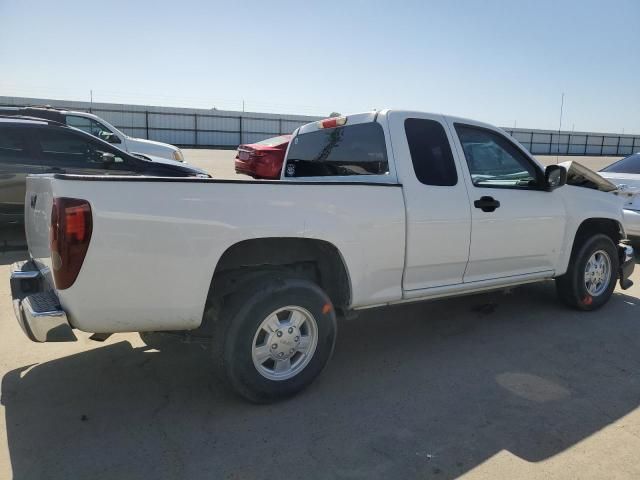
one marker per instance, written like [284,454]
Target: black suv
[33,145]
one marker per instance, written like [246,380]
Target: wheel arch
[591,226]
[316,259]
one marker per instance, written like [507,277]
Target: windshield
[630,164]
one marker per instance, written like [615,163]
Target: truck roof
[372,115]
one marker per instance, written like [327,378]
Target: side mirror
[555,176]
[108,159]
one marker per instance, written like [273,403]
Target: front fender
[584,204]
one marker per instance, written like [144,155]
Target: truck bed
[156,241]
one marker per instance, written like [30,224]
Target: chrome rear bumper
[37,308]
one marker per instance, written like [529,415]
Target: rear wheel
[591,275]
[274,337]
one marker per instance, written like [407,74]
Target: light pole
[559,127]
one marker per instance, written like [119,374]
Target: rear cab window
[356,151]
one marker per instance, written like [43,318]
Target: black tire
[239,320]
[571,286]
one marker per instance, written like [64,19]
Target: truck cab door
[517,227]
[438,217]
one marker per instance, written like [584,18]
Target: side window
[60,146]
[431,154]
[494,161]
[13,146]
[101,131]
[350,150]
[82,123]
[95,128]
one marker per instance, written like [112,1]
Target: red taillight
[71,228]
[76,226]
[332,122]
[258,153]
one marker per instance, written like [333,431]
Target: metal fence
[185,127]
[548,142]
[202,128]
[198,129]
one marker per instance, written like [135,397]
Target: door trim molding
[467,288]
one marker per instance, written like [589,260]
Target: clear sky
[497,61]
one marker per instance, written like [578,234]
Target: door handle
[487,204]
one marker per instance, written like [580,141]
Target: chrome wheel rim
[284,343]
[597,273]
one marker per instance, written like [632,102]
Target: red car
[263,159]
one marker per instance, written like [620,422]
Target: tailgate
[35,302]
[37,220]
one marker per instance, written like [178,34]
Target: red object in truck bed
[262,159]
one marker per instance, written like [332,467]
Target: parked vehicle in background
[373,209]
[33,146]
[100,128]
[263,159]
[625,173]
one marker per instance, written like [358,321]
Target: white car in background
[100,128]
[625,173]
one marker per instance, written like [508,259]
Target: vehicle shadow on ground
[424,390]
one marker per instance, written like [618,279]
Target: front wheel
[275,337]
[591,276]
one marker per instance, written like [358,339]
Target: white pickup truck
[372,209]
